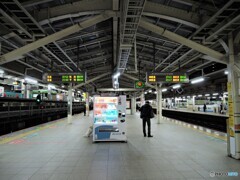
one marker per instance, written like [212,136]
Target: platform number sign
[139,84]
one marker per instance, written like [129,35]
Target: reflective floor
[58,151]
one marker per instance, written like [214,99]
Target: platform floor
[58,151]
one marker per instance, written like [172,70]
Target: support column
[70,103]
[133,104]
[159,102]
[233,129]
[87,104]
[142,98]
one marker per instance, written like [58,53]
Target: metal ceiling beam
[94,60]
[120,89]
[30,3]
[102,39]
[72,9]
[182,40]
[115,7]
[91,80]
[15,54]
[136,79]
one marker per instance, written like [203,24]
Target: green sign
[139,84]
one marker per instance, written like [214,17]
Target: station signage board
[171,77]
[79,77]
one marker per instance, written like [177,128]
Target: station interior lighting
[1,71]
[50,86]
[164,90]
[226,72]
[207,94]
[62,86]
[145,92]
[30,80]
[116,75]
[215,94]
[155,92]
[150,91]
[199,95]
[176,86]
[197,80]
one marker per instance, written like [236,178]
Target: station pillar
[142,98]
[233,128]
[159,103]
[70,103]
[87,104]
[133,104]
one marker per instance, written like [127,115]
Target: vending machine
[109,119]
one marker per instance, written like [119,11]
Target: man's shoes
[145,135]
[150,136]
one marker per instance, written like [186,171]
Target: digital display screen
[65,77]
[167,78]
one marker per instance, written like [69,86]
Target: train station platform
[58,151]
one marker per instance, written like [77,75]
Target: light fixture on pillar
[226,72]
[30,80]
[197,80]
[115,76]
[164,90]
[176,86]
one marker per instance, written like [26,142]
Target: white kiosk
[109,118]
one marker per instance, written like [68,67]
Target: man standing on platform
[146,113]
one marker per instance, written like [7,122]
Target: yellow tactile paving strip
[224,138]
[9,138]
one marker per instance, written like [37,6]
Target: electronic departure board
[167,78]
[65,77]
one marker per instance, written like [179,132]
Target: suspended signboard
[167,77]
[79,77]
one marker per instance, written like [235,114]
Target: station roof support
[182,40]
[18,53]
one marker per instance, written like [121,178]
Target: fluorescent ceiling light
[50,86]
[1,71]
[176,86]
[197,80]
[155,92]
[150,91]
[213,97]
[164,90]
[199,95]
[116,75]
[226,72]
[63,86]
[31,80]
[225,93]
[145,92]
[207,94]
[188,96]
[215,94]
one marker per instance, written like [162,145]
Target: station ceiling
[96,48]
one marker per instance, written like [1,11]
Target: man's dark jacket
[146,110]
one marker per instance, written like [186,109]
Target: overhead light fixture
[50,86]
[225,93]
[164,90]
[150,91]
[116,75]
[207,94]
[1,71]
[214,97]
[155,92]
[62,86]
[176,86]
[215,94]
[226,72]
[30,80]
[145,92]
[199,95]
[197,80]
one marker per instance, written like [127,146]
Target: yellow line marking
[5,140]
[224,138]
